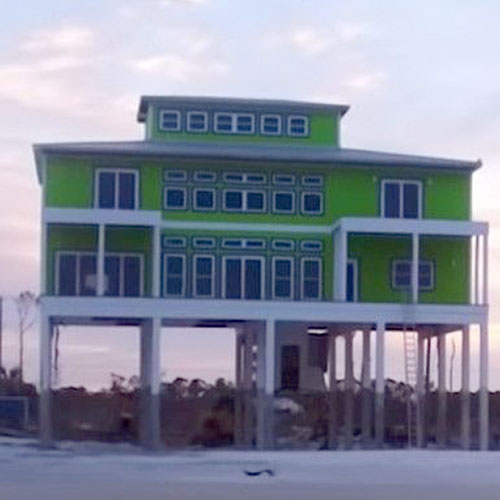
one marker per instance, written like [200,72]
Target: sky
[420,76]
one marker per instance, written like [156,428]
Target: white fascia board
[411,226]
[102,216]
[248,310]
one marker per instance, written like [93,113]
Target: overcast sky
[421,77]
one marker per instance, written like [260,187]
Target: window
[290,367]
[352,281]
[174,275]
[202,242]
[170,120]
[401,199]
[234,123]
[232,243]
[76,273]
[123,275]
[174,242]
[205,176]
[243,278]
[240,178]
[312,203]
[284,202]
[282,284]
[311,278]
[283,245]
[257,244]
[401,275]
[297,126]
[197,121]
[244,201]
[312,180]
[203,275]
[284,179]
[204,199]
[311,246]
[174,175]
[175,198]
[270,124]
[116,188]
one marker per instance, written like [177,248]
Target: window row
[401,275]
[221,122]
[258,178]
[243,200]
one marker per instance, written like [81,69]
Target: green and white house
[249,214]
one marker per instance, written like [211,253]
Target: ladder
[410,350]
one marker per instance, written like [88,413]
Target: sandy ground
[97,472]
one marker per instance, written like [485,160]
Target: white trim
[291,277]
[195,200]
[188,121]
[263,117]
[289,126]
[212,173]
[319,260]
[401,183]
[169,171]
[166,189]
[116,172]
[212,275]
[167,241]
[243,259]
[183,274]
[305,182]
[244,178]
[303,194]
[292,181]
[161,127]
[197,245]
[281,211]
[304,243]
[290,243]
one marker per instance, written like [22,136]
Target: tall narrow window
[352,281]
[88,275]
[282,277]
[203,276]
[290,367]
[116,189]
[243,278]
[67,278]
[401,199]
[76,273]
[311,278]
[174,271]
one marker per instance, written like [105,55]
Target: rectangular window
[311,278]
[170,120]
[87,275]
[298,126]
[284,179]
[197,121]
[243,278]
[255,201]
[270,124]
[283,245]
[205,176]
[170,175]
[401,199]
[116,188]
[223,122]
[245,124]
[123,275]
[232,243]
[202,242]
[312,203]
[282,284]
[283,202]
[66,283]
[290,367]
[175,198]
[174,241]
[244,201]
[234,123]
[204,199]
[203,275]
[352,281]
[174,275]
[311,246]
[241,178]
[76,273]
[312,180]
[255,244]
[401,275]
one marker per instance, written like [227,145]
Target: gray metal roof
[236,104]
[324,155]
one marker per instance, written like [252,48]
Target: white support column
[349,390]
[441,413]
[340,274]
[483,387]
[415,258]
[465,393]
[45,404]
[156,267]
[379,384]
[485,269]
[332,388]
[101,246]
[420,390]
[270,357]
[248,396]
[238,400]
[150,431]
[476,271]
[366,402]
[43,258]
[264,383]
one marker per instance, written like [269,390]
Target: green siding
[323,128]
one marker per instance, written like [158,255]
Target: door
[243,278]
[352,281]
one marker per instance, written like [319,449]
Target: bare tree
[26,303]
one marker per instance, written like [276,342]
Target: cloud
[179,3]
[65,38]
[365,80]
